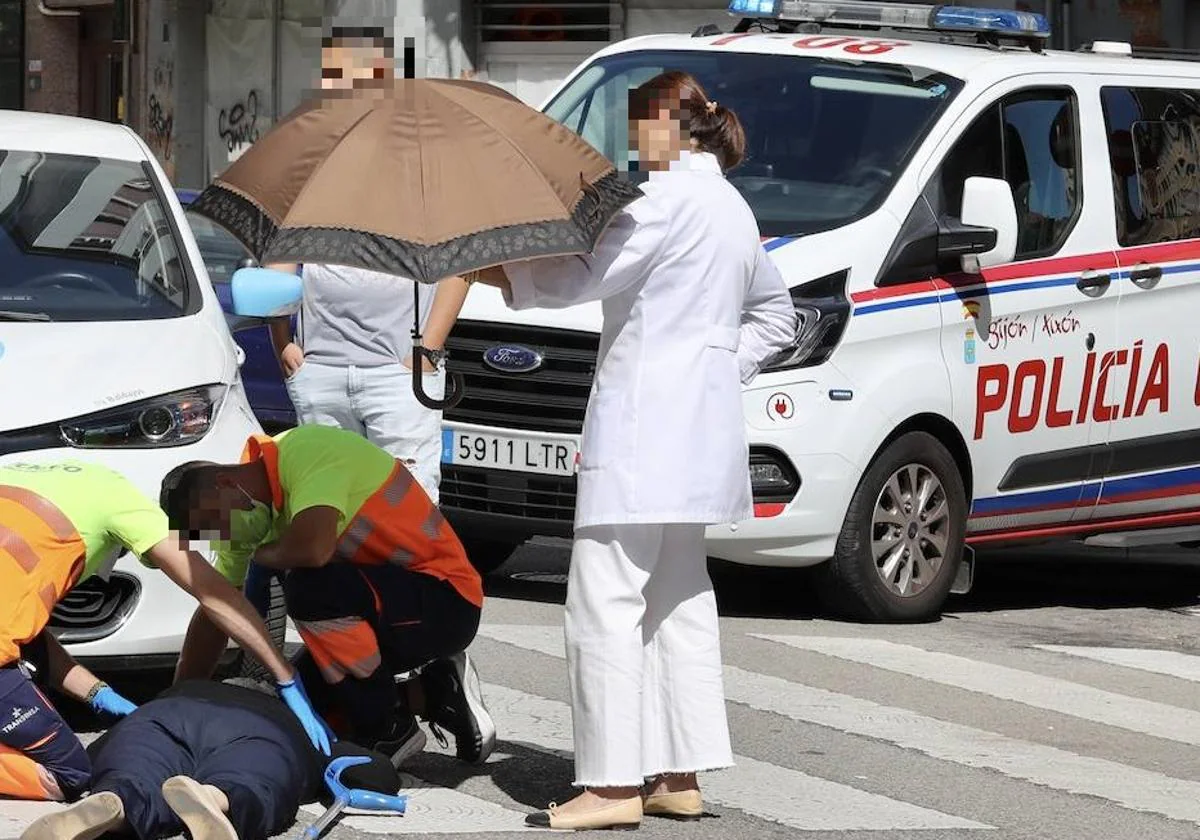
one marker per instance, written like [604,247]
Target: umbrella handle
[455,384]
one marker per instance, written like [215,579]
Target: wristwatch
[436,357]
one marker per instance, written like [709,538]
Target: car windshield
[86,239]
[826,138]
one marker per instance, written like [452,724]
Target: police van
[994,249]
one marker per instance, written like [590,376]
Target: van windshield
[826,138]
[86,239]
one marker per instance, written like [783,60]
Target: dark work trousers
[404,620]
[249,758]
[40,757]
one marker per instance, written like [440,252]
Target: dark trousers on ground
[247,757]
[364,624]
[40,757]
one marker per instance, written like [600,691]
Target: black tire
[488,555]
[850,584]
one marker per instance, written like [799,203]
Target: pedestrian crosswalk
[954,766]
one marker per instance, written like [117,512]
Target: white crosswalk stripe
[1130,787]
[1049,693]
[755,787]
[1168,663]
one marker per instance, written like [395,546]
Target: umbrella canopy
[423,178]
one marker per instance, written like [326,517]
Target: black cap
[378,776]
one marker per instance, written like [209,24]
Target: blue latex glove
[109,702]
[292,693]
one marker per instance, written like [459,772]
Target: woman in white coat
[692,306]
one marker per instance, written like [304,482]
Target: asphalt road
[1060,699]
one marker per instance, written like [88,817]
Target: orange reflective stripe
[41,507]
[15,546]
[341,647]
[264,448]
[399,524]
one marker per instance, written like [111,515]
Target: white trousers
[379,404]
[643,655]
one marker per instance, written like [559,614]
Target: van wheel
[901,543]
[487,555]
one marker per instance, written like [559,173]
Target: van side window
[1155,159]
[1028,139]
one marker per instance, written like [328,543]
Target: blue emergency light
[960,19]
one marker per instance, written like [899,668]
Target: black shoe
[454,701]
[404,741]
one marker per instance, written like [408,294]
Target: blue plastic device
[344,797]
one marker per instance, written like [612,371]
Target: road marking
[1166,662]
[433,810]
[1050,693]
[1130,787]
[758,788]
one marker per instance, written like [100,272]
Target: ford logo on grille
[512,358]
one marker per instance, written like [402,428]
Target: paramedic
[61,523]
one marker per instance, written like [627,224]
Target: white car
[113,347]
[995,251]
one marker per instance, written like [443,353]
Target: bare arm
[228,610]
[202,648]
[66,674]
[287,353]
[308,543]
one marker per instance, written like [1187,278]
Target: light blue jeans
[378,403]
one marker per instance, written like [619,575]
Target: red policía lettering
[1135,368]
[1085,394]
[1018,421]
[987,401]
[1196,397]
[1158,387]
[874,47]
[1102,412]
[1056,418]
[822,42]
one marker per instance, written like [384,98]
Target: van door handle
[1093,282]
[1145,276]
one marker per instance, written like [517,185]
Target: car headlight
[170,420]
[823,312]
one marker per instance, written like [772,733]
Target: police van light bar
[897,16]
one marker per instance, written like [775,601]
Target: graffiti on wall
[238,123]
[160,112]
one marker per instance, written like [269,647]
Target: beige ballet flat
[200,807]
[625,814]
[677,805]
[87,819]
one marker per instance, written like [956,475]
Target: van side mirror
[265,293]
[988,203]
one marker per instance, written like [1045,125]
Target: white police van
[995,251]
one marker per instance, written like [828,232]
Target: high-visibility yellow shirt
[317,466]
[108,511]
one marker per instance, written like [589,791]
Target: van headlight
[823,311]
[170,420]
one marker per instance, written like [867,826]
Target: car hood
[56,371]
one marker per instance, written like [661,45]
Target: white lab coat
[693,307]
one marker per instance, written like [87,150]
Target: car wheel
[487,555]
[902,540]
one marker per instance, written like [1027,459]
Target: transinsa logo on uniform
[19,716]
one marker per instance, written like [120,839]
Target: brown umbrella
[423,178]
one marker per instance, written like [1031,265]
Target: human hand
[107,701]
[426,365]
[291,358]
[292,693]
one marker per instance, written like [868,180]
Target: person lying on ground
[60,524]
[222,761]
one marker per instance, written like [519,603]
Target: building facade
[202,79]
